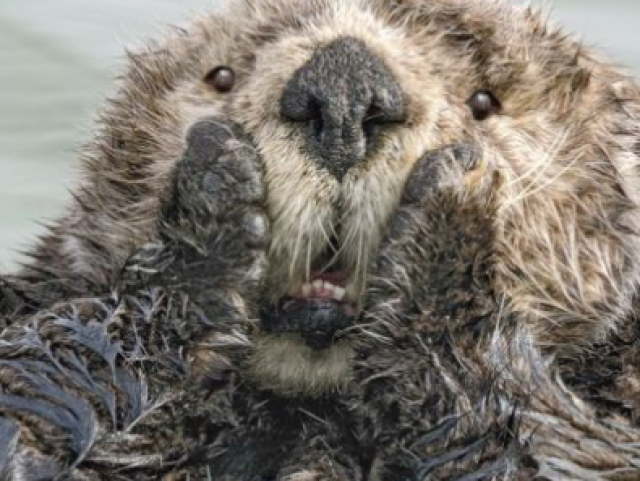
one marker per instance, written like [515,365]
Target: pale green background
[58,59]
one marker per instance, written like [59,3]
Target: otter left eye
[223,79]
[483,104]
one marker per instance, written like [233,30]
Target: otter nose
[344,97]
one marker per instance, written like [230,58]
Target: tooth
[306,290]
[338,293]
[317,285]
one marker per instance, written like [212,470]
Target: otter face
[343,97]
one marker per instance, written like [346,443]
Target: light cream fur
[287,364]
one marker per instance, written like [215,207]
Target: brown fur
[564,218]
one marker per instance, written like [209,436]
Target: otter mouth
[318,310]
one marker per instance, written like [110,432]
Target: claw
[476,174]
[447,165]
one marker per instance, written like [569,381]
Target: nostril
[374,114]
[371,124]
[315,119]
[385,112]
[378,116]
[298,104]
[304,109]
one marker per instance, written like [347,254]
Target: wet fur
[498,337]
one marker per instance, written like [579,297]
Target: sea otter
[351,240]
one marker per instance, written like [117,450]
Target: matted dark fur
[493,263]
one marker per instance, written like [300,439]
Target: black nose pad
[345,96]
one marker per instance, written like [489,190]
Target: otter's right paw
[220,175]
[215,222]
[441,236]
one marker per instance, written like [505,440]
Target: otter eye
[483,104]
[221,78]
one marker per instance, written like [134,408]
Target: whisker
[531,188]
[553,179]
[308,262]
[296,252]
[373,117]
[544,161]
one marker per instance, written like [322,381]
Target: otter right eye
[483,104]
[221,79]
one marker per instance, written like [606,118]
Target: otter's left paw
[214,237]
[215,222]
[440,239]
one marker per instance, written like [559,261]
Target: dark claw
[256,229]
[434,166]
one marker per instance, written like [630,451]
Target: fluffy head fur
[565,142]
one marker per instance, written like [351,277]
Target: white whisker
[546,162]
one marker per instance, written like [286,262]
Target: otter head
[342,97]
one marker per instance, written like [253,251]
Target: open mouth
[318,310]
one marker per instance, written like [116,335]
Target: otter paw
[441,229]
[215,222]
[220,172]
[450,167]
